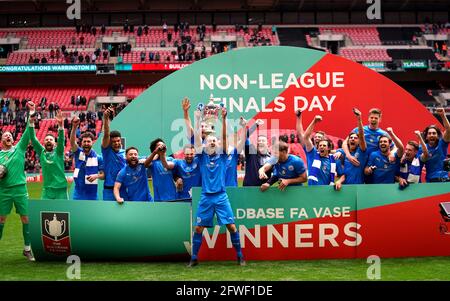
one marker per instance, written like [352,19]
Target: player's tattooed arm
[445,122]
[109,112]
[224,131]
[398,143]
[308,133]
[424,156]
[117,196]
[362,139]
[73,138]
[186,104]
[162,156]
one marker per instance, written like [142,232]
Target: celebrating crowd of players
[368,155]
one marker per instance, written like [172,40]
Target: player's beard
[432,141]
[49,147]
[262,149]
[210,150]
[133,162]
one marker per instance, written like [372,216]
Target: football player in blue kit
[162,178]
[437,144]
[113,156]
[214,199]
[356,144]
[132,179]
[382,170]
[288,171]
[187,171]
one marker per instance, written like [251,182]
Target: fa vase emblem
[55,227]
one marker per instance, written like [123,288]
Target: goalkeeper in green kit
[52,162]
[13,185]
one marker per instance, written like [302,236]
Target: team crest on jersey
[291,168]
[82,157]
[55,229]
[199,219]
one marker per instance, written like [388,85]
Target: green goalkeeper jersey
[52,163]
[14,160]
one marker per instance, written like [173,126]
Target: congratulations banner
[49,68]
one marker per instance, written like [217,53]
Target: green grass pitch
[14,266]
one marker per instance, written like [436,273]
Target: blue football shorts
[214,204]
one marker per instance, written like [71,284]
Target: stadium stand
[423,92]
[62,96]
[45,38]
[412,54]
[367,35]
[366,54]
[20,58]
[132,92]
[399,35]
[41,40]
[296,37]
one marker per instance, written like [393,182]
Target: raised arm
[34,141]
[299,127]
[73,138]
[243,135]
[197,133]
[165,163]
[224,131]
[424,155]
[308,133]
[25,139]
[60,120]
[106,126]
[362,139]
[186,104]
[150,158]
[446,135]
[398,143]
[349,156]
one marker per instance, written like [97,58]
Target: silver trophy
[3,171]
[210,114]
